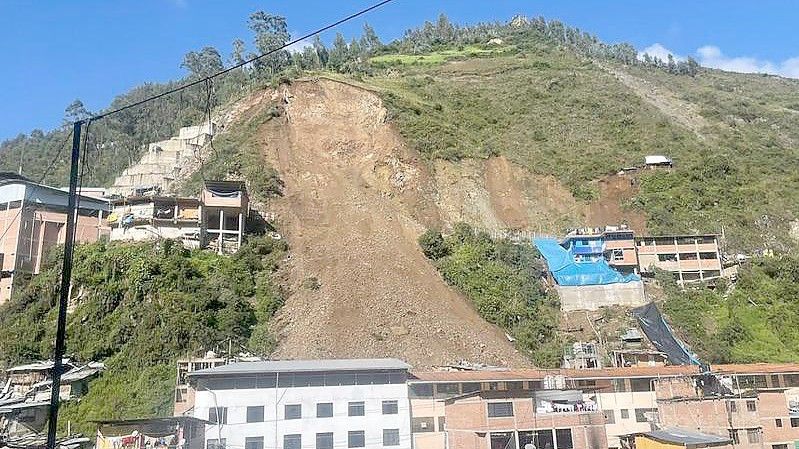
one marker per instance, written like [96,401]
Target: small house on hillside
[658,161]
[226,207]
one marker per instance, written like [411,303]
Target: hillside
[362,152]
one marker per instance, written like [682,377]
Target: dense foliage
[502,281]
[754,320]
[139,308]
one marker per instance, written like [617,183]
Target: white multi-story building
[305,404]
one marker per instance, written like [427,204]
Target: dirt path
[682,112]
[355,201]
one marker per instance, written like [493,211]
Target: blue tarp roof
[567,272]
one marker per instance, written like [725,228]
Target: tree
[692,67]
[321,51]
[445,31]
[76,111]
[339,53]
[271,33]
[370,43]
[237,54]
[433,245]
[203,63]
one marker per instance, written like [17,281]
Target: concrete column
[241,229]
[221,228]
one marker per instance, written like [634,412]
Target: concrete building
[691,258]
[217,220]
[176,432]
[140,218]
[614,244]
[632,400]
[302,404]
[184,393]
[33,220]
[226,207]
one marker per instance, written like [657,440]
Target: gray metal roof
[687,437]
[291,366]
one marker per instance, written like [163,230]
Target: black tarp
[661,335]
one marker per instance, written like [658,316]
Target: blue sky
[55,51]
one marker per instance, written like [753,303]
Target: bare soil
[356,199]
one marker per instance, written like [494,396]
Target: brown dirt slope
[355,201]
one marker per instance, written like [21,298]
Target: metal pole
[66,274]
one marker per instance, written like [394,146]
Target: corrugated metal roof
[686,437]
[756,368]
[487,376]
[288,366]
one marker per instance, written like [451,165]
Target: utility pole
[66,274]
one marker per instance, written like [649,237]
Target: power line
[242,64]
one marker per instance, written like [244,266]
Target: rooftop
[534,374]
[297,366]
[686,437]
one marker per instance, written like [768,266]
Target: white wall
[373,423]
[629,400]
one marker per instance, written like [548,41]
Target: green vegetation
[239,154]
[502,281]
[141,307]
[755,320]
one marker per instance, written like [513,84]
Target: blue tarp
[567,272]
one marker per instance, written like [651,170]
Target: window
[610,417]
[324,440]
[390,437]
[791,380]
[447,389]
[542,439]
[500,409]
[390,408]
[419,425]
[471,387]
[733,406]
[751,406]
[217,415]
[356,409]
[620,386]
[216,444]
[618,255]
[293,411]
[752,382]
[254,443]
[640,414]
[514,385]
[753,435]
[255,414]
[778,422]
[641,384]
[503,440]
[563,438]
[324,410]
[794,422]
[667,257]
[625,414]
[356,438]
[292,441]
[734,437]
[707,256]
[779,446]
[421,390]
[244,383]
[442,421]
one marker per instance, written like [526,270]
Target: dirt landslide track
[355,201]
